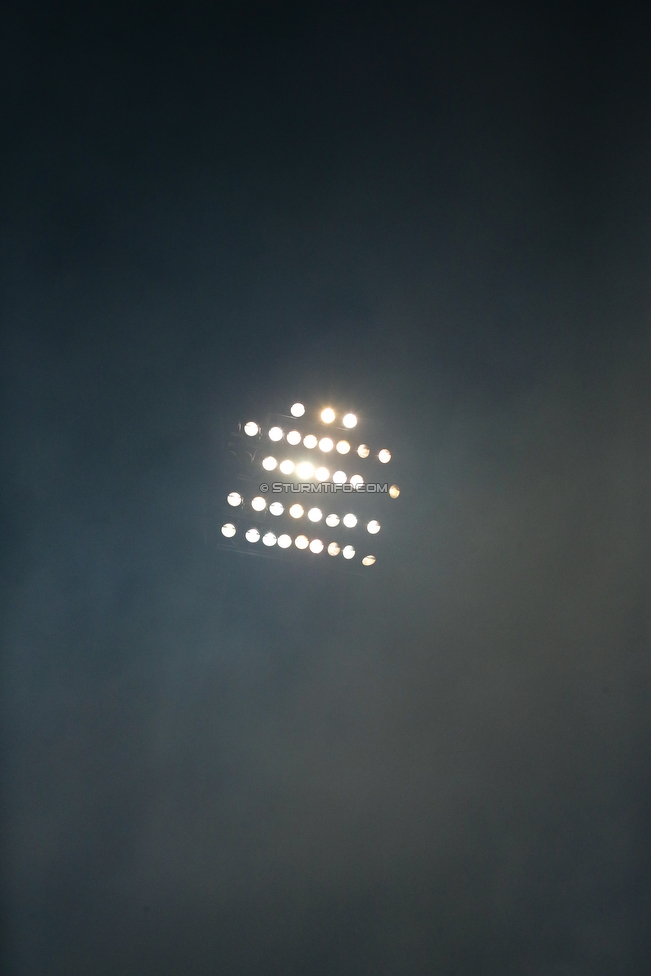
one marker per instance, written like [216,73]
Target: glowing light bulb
[251,428]
[234,499]
[327,415]
[297,410]
[350,420]
[275,434]
[229,530]
[304,469]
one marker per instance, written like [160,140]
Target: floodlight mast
[277,460]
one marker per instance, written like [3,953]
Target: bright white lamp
[304,469]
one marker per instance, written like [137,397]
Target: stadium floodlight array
[303,452]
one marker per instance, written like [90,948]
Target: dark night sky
[214,764]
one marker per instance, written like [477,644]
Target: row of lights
[306,470]
[310,441]
[326,444]
[301,542]
[327,415]
[294,437]
[297,511]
